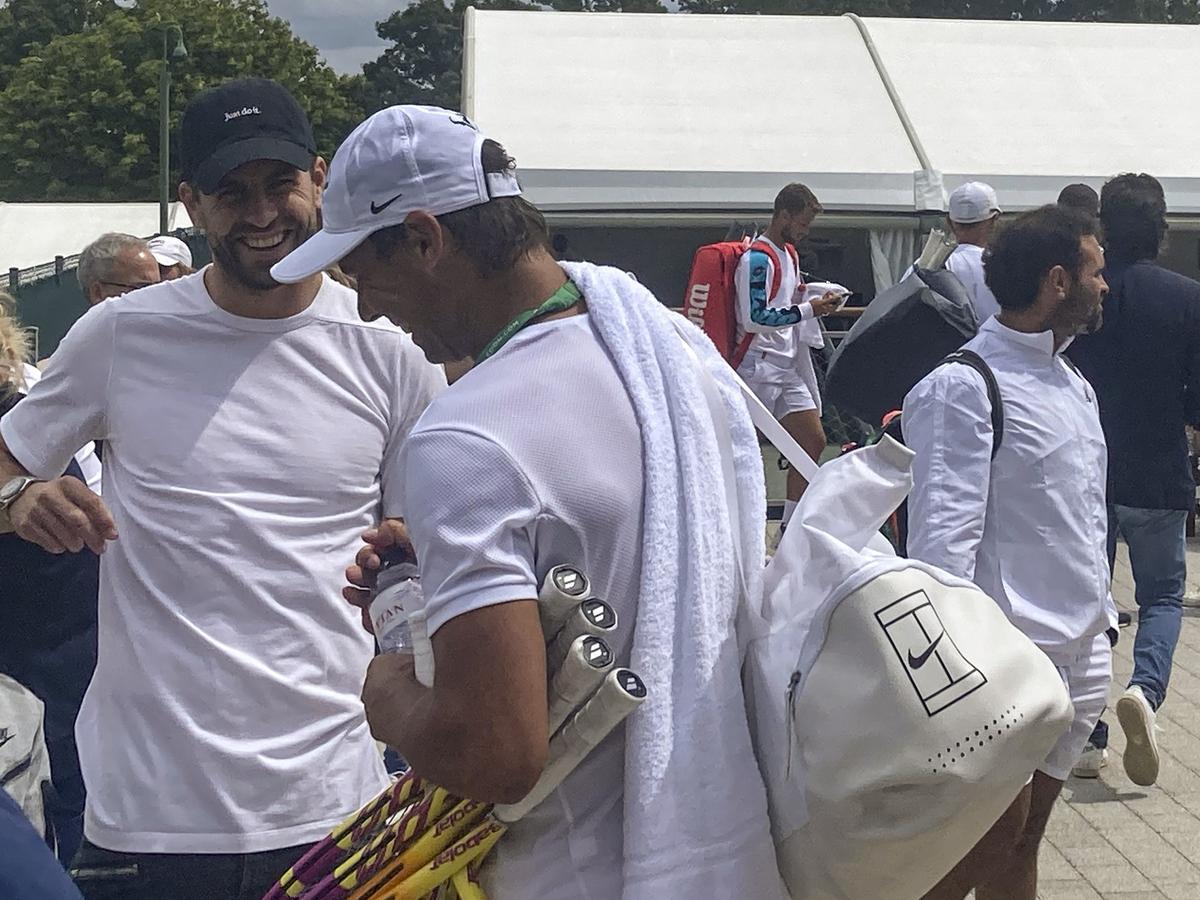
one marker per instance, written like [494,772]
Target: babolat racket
[417,841]
[563,589]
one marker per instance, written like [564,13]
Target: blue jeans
[1158,555]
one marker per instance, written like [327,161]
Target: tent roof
[687,112]
[32,234]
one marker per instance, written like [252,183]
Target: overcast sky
[344,31]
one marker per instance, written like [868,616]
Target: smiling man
[252,432]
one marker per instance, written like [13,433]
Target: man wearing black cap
[252,432]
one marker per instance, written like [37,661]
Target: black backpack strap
[976,362]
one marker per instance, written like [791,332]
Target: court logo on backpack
[938,671]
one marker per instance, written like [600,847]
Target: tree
[79,113]
[424,63]
[27,23]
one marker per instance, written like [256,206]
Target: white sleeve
[947,423]
[417,381]
[471,512]
[68,406]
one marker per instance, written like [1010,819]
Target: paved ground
[1113,839]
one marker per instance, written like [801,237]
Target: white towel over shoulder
[695,807]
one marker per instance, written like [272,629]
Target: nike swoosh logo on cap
[916,662]
[378,208]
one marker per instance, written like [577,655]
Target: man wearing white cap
[974,212]
[582,436]
[173,256]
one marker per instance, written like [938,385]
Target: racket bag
[896,712]
[903,334]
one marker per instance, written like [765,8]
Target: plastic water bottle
[397,594]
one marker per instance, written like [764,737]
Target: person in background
[47,620]
[173,256]
[115,264]
[1082,197]
[1145,365]
[246,452]
[1028,526]
[778,365]
[974,213]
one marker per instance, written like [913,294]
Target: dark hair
[1021,254]
[493,235]
[796,198]
[1133,211]
[1082,197]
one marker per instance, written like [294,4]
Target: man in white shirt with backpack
[778,363]
[1028,525]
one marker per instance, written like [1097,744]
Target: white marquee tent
[32,234]
[610,112]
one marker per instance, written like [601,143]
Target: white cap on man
[169,251]
[401,159]
[973,202]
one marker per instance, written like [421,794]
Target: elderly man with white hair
[115,264]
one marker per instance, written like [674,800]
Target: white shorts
[1087,679]
[782,391]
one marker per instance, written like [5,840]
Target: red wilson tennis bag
[711,297]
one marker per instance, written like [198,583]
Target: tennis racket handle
[592,616]
[621,693]
[564,588]
[582,670]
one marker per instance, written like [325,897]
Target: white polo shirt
[967,263]
[1030,526]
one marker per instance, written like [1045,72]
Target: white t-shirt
[777,346]
[89,462]
[533,459]
[243,458]
[967,263]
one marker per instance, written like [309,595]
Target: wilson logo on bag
[711,297]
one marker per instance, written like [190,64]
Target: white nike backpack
[896,712]
[24,760]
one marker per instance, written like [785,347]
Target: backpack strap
[777,280]
[977,362]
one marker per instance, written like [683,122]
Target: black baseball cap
[240,121]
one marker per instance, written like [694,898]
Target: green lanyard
[560,301]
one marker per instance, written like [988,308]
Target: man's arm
[752,281]
[947,423]
[481,730]
[39,436]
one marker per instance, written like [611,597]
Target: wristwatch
[11,490]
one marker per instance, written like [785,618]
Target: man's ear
[426,239]
[319,173]
[1059,279]
[190,198]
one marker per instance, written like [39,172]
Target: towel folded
[695,807]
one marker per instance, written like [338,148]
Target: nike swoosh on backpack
[916,662]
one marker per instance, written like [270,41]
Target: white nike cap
[973,202]
[169,251]
[401,159]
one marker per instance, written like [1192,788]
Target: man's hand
[391,678]
[827,304]
[390,535]
[62,516]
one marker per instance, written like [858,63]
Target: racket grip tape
[592,616]
[563,589]
[581,672]
[620,694]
